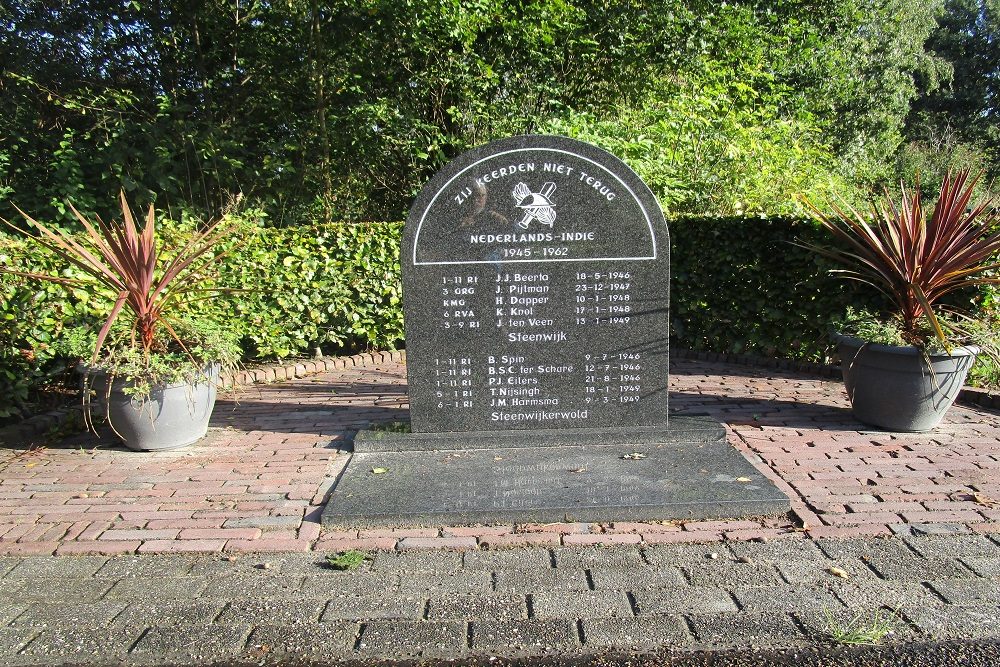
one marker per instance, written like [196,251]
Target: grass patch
[391,427]
[861,630]
[345,560]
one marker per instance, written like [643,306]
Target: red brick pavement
[257,483]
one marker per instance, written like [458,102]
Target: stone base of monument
[685,471]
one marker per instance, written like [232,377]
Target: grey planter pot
[173,416]
[895,388]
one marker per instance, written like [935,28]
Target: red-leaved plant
[123,259]
[914,261]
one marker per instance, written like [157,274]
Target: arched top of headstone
[534,187]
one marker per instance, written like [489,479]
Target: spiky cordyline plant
[123,259]
[914,261]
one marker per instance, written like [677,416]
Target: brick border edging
[38,425]
[968,395]
[297,368]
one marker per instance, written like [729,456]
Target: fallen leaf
[837,572]
[985,501]
[751,424]
[380,471]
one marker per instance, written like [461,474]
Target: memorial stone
[535,286]
[536,280]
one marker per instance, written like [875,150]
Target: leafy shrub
[335,287]
[702,148]
[740,285]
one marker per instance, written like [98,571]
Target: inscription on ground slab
[696,475]
[535,281]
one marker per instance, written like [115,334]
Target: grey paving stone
[504,559]
[662,555]
[217,565]
[66,614]
[826,624]
[419,560]
[150,613]
[471,606]
[264,522]
[636,578]
[921,569]
[396,638]
[506,637]
[779,551]
[157,588]
[385,605]
[304,640]
[196,643]
[728,573]
[786,598]
[957,622]
[9,588]
[9,611]
[8,563]
[580,604]
[107,644]
[56,590]
[630,633]
[544,580]
[952,546]
[12,640]
[968,592]
[818,571]
[57,566]
[256,585]
[122,567]
[746,630]
[465,581]
[313,564]
[340,583]
[880,548]
[988,567]
[608,557]
[687,600]
[873,594]
[923,529]
[271,611]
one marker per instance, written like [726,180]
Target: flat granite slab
[551,476]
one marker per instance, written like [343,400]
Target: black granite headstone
[535,283]
[535,290]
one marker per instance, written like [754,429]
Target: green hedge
[738,285]
[742,285]
[335,287]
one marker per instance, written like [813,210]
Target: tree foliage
[958,123]
[343,109]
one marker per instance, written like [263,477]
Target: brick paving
[257,483]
